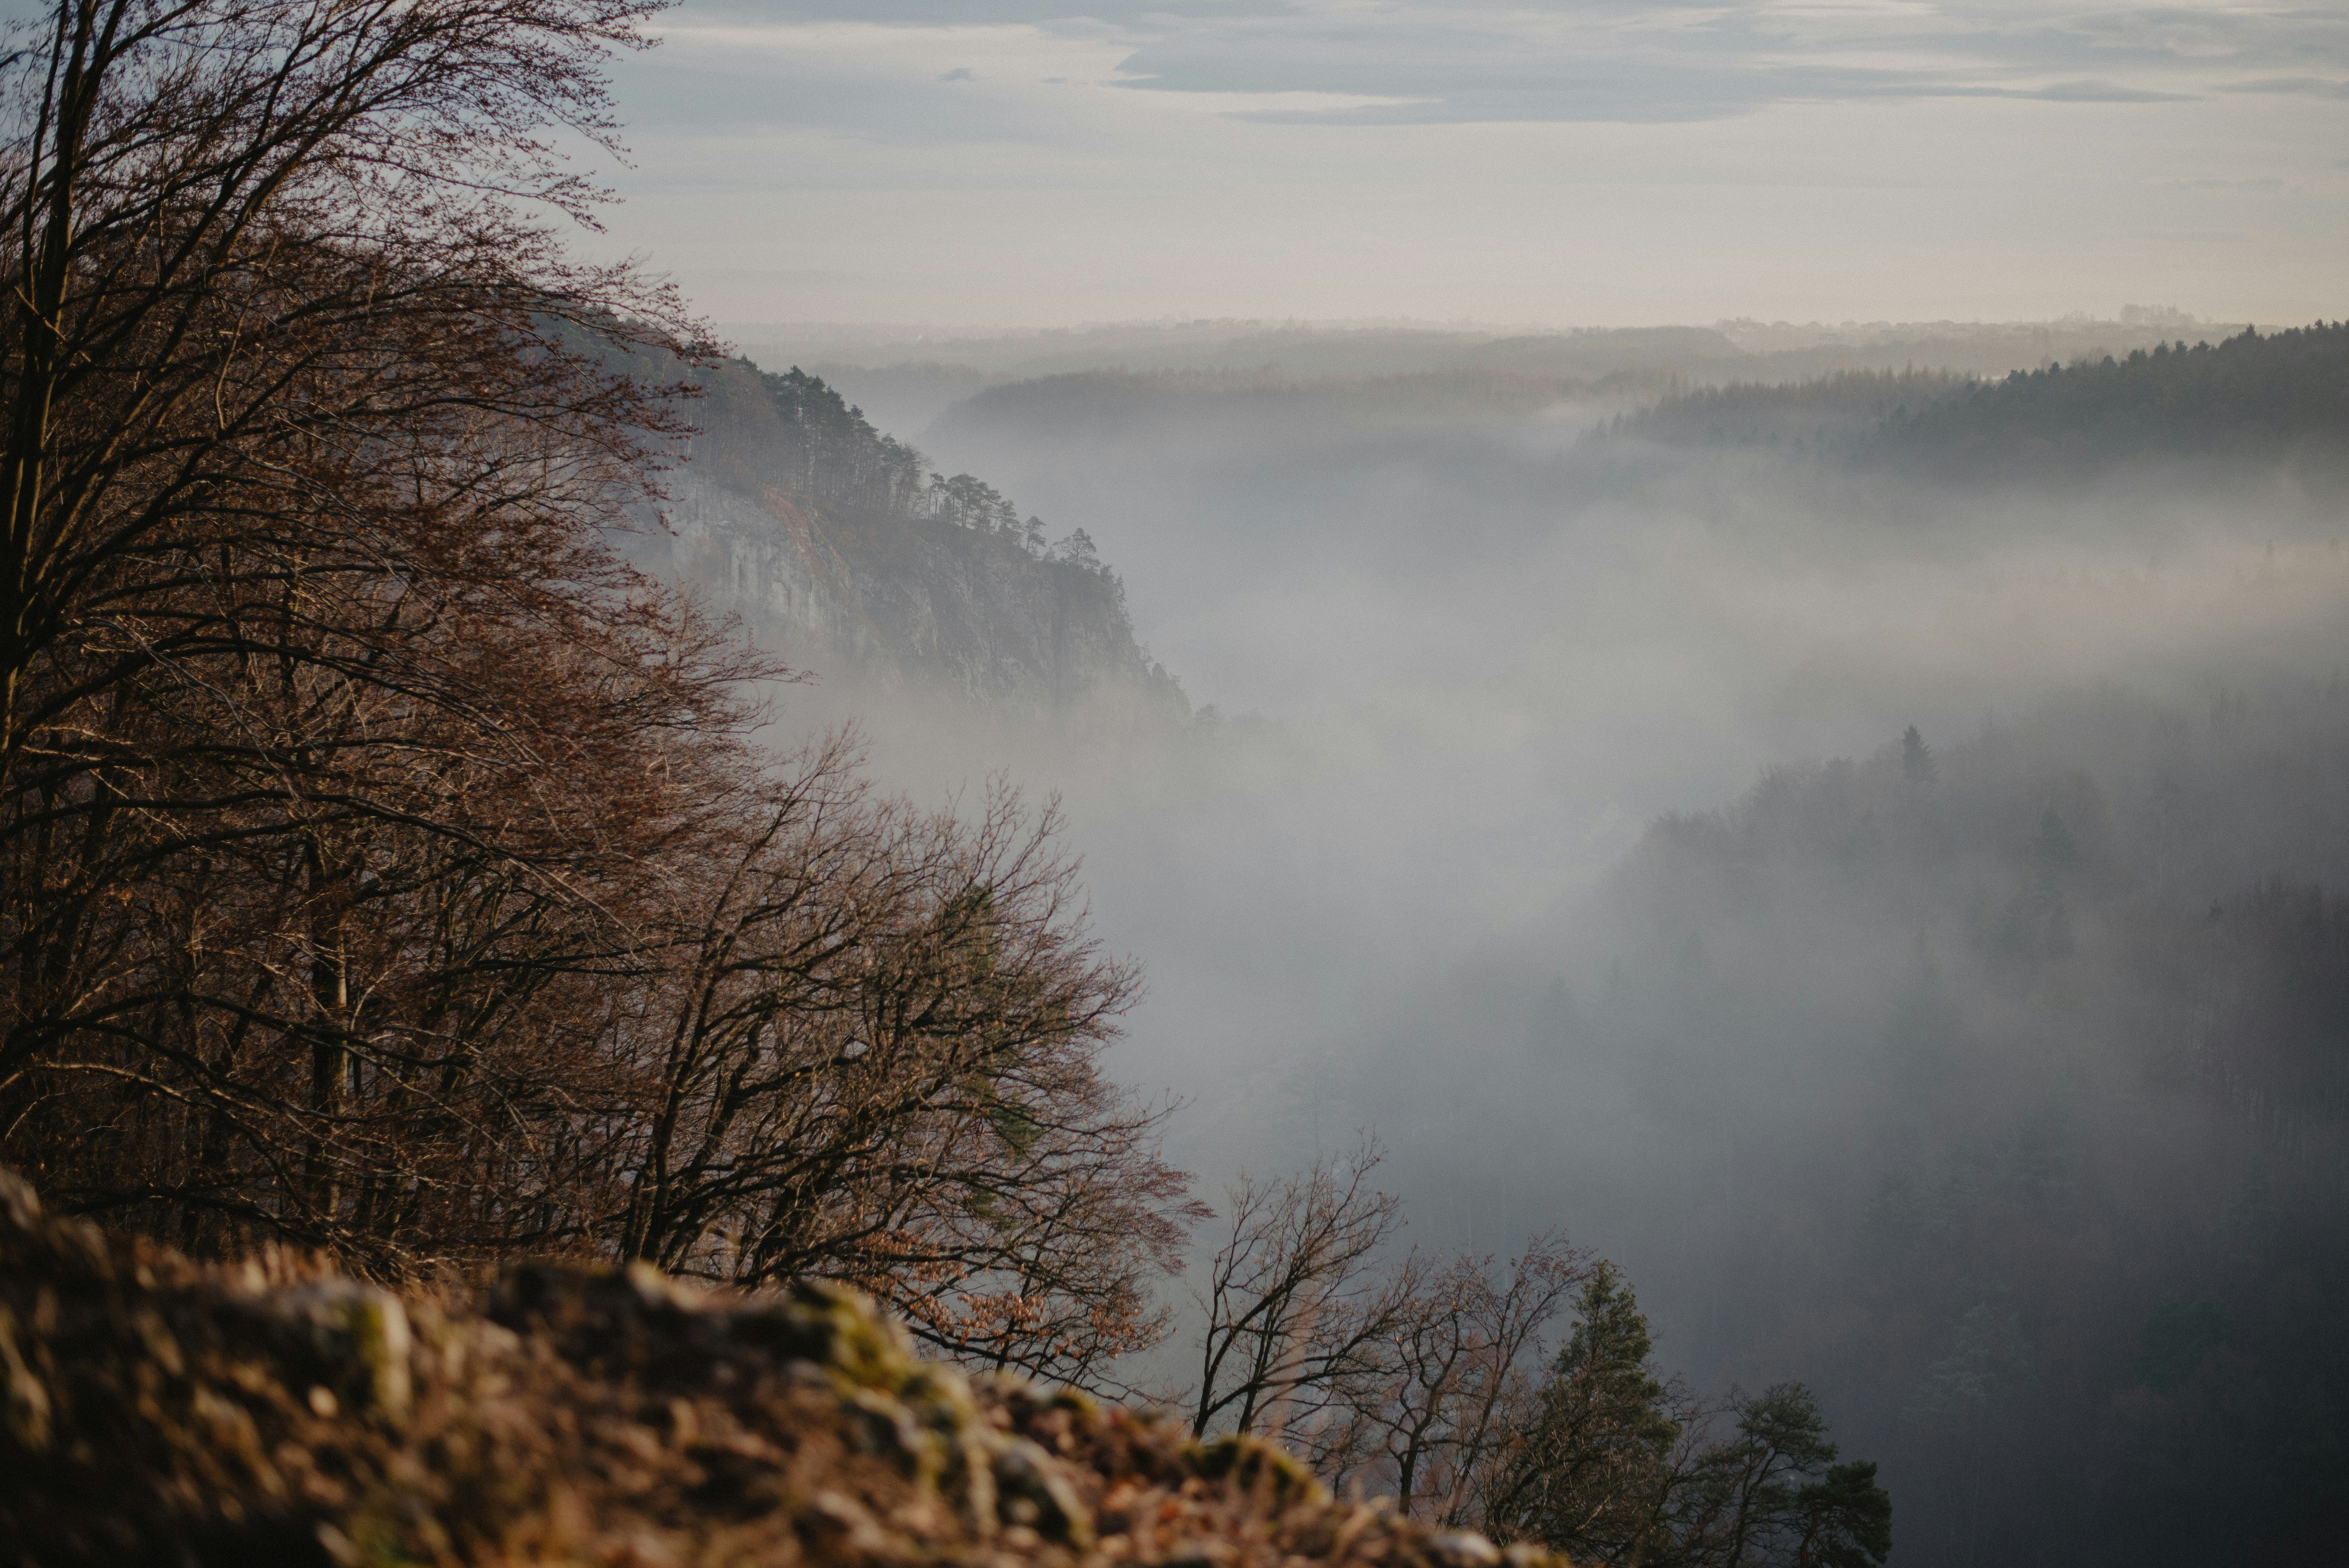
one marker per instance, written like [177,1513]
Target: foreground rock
[160,1412]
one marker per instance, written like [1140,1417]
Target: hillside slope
[840,550]
[1816,414]
[2007,1081]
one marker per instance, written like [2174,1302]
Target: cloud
[727,78]
[1413,62]
[985,13]
[1458,64]
[2299,87]
[2084,92]
[2182,183]
[1628,91]
[1382,157]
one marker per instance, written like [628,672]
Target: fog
[1458,653]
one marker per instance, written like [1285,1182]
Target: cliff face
[843,553]
[906,601]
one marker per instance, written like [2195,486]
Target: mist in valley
[1553,808]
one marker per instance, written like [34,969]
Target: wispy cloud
[1465,61]
[1603,61]
[2297,87]
[1333,156]
[2186,183]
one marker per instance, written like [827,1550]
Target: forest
[2068,1213]
[2246,395]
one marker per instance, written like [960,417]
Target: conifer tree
[1916,757]
[1594,1476]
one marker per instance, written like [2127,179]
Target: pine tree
[1845,1520]
[1916,757]
[1594,1476]
[1772,1496]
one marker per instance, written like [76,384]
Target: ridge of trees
[2248,394]
[1087,408]
[2080,984]
[1818,414]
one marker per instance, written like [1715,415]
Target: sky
[1028,164]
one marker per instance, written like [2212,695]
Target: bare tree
[311,655]
[874,1059]
[267,255]
[1299,1316]
[1465,1359]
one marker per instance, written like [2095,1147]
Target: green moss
[358,1337]
[1259,1466]
[836,1329]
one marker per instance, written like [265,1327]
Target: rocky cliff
[844,553]
[154,1411]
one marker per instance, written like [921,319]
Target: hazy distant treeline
[907,378]
[1122,407]
[2246,396]
[1823,415]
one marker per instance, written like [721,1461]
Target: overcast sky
[1014,163]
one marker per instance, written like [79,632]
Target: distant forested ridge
[915,377]
[1817,414]
[1265,407]
[842,547]
[2248,396]
[2283,394]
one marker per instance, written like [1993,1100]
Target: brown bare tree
[874,1060]
[1299,1315]
[1464,1360]
[307,635]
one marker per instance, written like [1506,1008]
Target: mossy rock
[354,1340]
[158,1411]
[1260,1466]
[841,1332]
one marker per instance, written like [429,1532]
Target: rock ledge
[153,1410]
